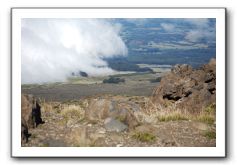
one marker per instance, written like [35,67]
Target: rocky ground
[68,124]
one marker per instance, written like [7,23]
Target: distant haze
[54,48]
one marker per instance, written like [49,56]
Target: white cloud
[201,30]
[199,22]
[167,27]
[194,35]
[54,48]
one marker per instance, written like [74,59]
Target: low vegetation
[158,79]
[174,116]
[114,80]
[169,112]
[144,137]
[208,115]
[210,134]
[73,113]
[83,74]
[205,118]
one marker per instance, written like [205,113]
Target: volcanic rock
[187,88]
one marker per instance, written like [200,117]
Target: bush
[83,74]
[114,80]
[158,79]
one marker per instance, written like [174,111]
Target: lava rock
[190,89]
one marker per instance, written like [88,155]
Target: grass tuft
[144,137]
[72,112]
[205,118]
[44,145]
[172,116]
[210,109]
[208,114]
[210,134]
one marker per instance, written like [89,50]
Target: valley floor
[65,92]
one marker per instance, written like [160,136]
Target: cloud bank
[51,49]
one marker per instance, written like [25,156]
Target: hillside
[172,116]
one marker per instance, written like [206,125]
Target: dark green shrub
[114,80]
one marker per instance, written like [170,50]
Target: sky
[51,49]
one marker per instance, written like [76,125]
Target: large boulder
[122,111]
[190,89]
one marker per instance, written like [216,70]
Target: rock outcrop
[187,88]
[30,115]
[26,109]
[26,116]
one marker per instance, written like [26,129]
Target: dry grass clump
[82,103]
[47,108]
[205,118]
[210,109]
[73,113]
[170,112]
[79,137]
[65,112]
[208,114]
[163,113]
[44,145]
[173,116]
[144,137]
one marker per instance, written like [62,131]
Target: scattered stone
[89,125]
[119,145]
[114,125]
[102,131]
